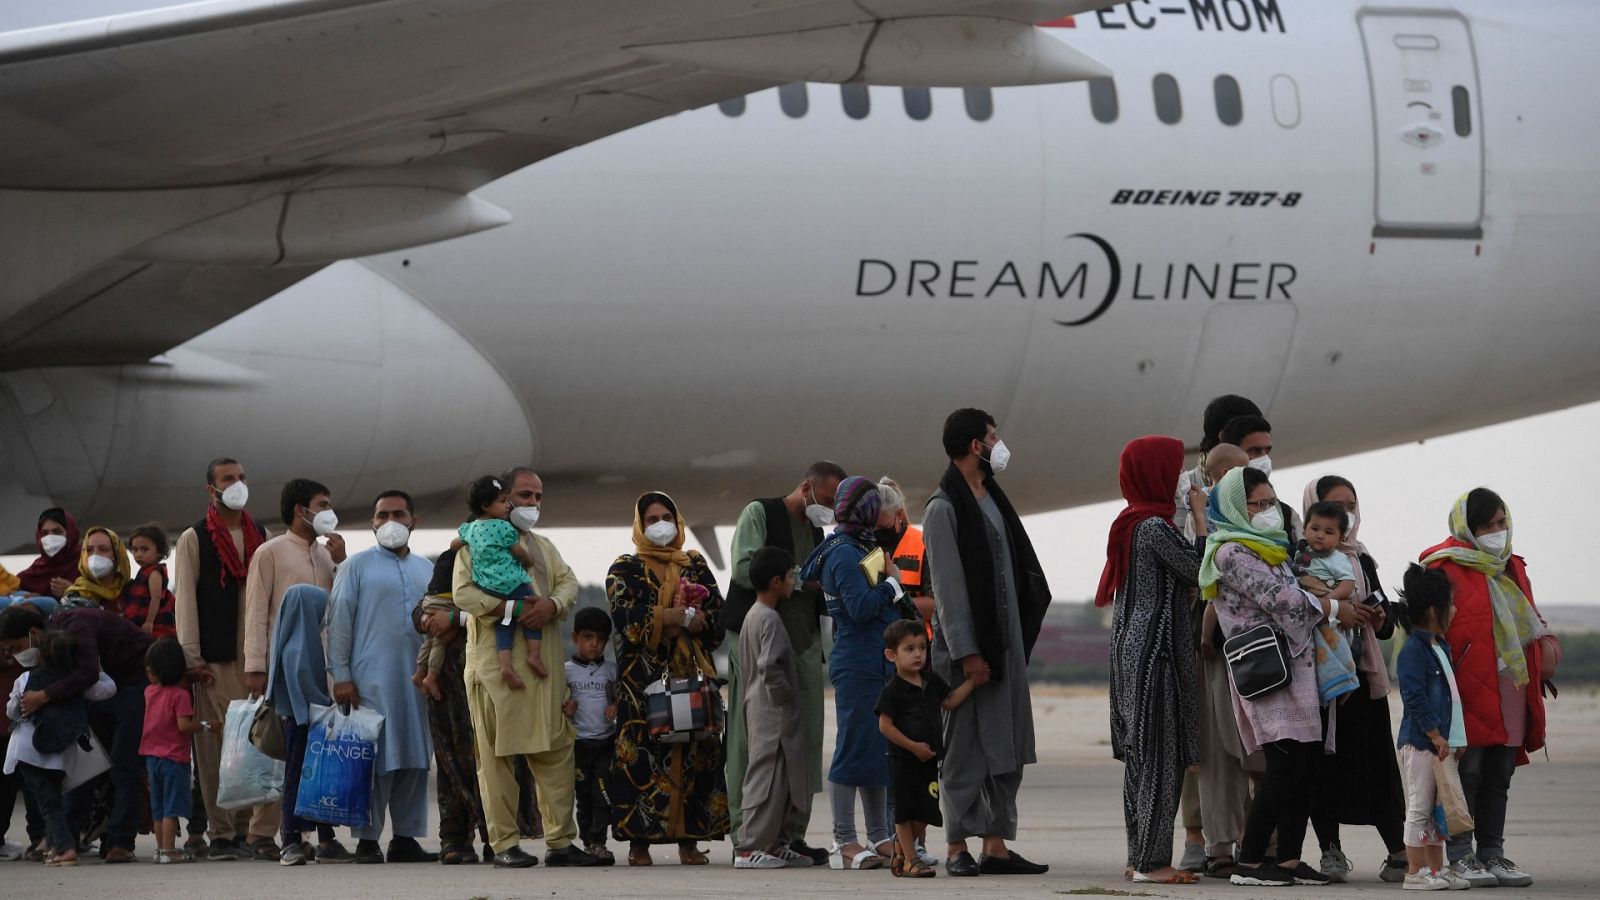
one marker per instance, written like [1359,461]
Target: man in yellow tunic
[508,723]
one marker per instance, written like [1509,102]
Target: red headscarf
[1149,472]
[36,578]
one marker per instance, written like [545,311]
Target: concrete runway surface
[1071,819]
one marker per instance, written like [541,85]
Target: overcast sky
[1406,496]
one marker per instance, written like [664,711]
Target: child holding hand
[499,569]
[909,717]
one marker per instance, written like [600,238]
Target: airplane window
[733,107]
[1103,99]
[1285,101]
[919,102]
[1461,101]
[1230,108]
[1169,105]
[857,102]
[980,103]
[792,97]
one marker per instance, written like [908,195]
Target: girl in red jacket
[1495,649]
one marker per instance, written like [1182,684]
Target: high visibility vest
[910,557]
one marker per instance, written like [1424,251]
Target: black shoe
[333,853]
[222,850]
[570,855]
[488,853]
[1264,875]
[1009,865]
[819,856]
[514,857]
[407,850]
[962,865]
[1304,874]
[368,853]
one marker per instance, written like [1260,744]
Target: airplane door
[1426,123]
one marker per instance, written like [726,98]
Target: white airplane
[1379,222]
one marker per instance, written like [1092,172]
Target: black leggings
[1283,800]
[1391,831]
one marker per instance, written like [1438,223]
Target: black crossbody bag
[1258,661]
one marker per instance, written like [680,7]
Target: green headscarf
[1515,623]
[1229,516]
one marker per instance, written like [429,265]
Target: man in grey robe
[991,599]
[776,790]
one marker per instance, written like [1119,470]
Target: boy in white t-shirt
[592,707]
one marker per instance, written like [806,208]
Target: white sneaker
[792,859]
[924,857]
[1506,873]
[1474,872]
[1335,865]
[1457,883]
[11,852]
[758,859]
[1424,880]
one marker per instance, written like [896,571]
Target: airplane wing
[164,170]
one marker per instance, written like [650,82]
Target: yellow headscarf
[8,582]
[91,588]
[667,565]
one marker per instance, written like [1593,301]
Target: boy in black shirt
[909,715]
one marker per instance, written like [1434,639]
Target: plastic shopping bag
[248,777]
[84,761]
[1451,801]
[341,759]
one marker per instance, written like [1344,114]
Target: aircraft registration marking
[1205,15]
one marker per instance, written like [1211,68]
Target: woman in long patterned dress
[1155,730]
[665,605]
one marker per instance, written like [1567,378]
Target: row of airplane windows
[794,100]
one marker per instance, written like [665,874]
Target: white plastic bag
[248,777]
[85,760]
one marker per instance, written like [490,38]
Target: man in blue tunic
[372,652]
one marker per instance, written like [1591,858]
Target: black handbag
[1258,661]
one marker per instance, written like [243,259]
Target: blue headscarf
[299,674]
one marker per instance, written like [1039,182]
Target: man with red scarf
[208,574]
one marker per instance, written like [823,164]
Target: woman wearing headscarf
[665,605]
[861,611]
[1245,573]
[299,678]
[56,536]
[1360,782]
[1150,573]
[1502,653]
[103,570]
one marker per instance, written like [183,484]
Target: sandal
[897,862]
[457,856]
[917,870]
[1178,876]
[1220,868]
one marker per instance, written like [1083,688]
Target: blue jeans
[169,787]
[294,739]
[45,787]
[504,635]
[119,724]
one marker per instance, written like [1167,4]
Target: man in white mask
[372,652]
[209,568]
[1253,435]
[294,557]
[529,723]
[793,523]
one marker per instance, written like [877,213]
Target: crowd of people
[641,738]
[1249,689]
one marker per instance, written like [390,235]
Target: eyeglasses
[1261,505]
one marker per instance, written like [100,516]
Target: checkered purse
[680,710]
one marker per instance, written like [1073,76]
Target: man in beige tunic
[776,789]
[508,723]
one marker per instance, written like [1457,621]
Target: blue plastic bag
[248,777]
[341,759]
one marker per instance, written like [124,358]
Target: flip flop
[1178,876]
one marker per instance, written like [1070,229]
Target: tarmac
[1071,815]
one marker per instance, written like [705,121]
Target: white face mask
[1270,520]
[999,457]
[53,544]
[661,533]
[818,515]
[27,658]
[101,566]
[236,496]
[1495,542]
[393,535]
[1351,520]
[1262,464]
[525,517]
[325,523]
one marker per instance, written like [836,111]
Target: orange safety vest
[910,557]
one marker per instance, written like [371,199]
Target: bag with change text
[341,759]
